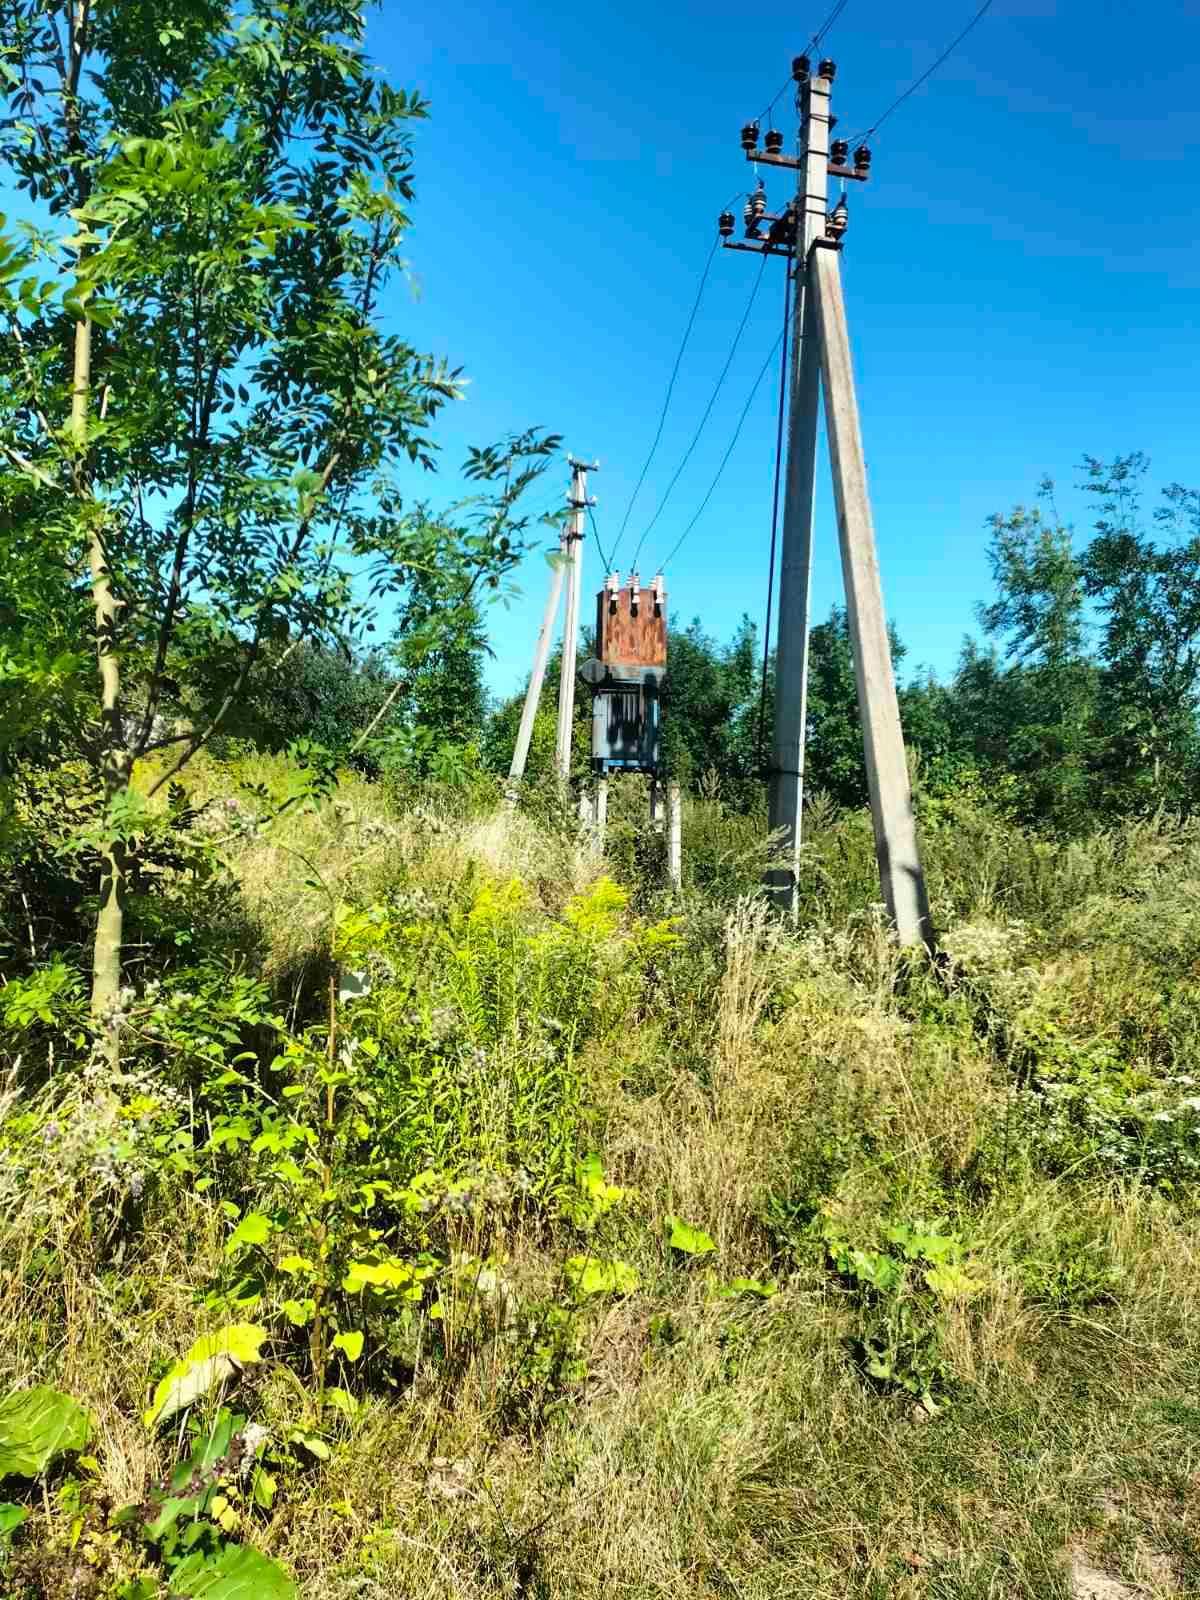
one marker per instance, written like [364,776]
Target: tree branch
[239,684]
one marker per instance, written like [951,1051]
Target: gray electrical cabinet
[625,718]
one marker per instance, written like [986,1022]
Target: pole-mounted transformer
[626,675]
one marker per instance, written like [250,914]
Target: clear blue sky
[1022,273]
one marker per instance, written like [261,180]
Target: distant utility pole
[809,236]
[567,566]
[574,564]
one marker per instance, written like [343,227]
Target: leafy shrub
[901,1288]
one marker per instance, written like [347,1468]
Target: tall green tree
[198,393]
[1146,589]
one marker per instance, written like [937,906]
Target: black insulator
[838,151]
[750,136]
[758,200]
[862,158]
[801,67]
[827,69]
[725,224]
[773,141]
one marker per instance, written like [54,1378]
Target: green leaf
[588,1277]
[382,1275]
[952,1282]
[11,1518]
[740,1286]
[254,1228]
[264,1487]
[236,1573]
[341,1400]
[691,1241]
[211,1360]
[37,1426]
[312,1442]
[351,1344]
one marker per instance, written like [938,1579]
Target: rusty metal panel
[626,635]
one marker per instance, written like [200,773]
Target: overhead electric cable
[662,416]
[663,565]
[683,343]
[608,566]
[828,23]
[712,400]
[925,76]
[814,43]
[783,365]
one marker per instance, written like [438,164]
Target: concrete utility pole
[900,873]
[674,835]
[540,655]
[786,781]
[811,238]
[574,553]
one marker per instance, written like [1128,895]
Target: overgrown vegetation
[455,1227]
[401,1191]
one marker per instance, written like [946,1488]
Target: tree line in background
[1080,705]
[208,438]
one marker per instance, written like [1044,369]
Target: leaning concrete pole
[540,656]
[900,874]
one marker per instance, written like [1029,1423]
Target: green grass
[778,1088]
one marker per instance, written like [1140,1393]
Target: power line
[725,458]
[783,364]
[608,565]
[662,416]
[687,333]
[828,23]
[712,400]
[925,76]
[814,43]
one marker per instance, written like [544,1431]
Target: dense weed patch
[470,1215]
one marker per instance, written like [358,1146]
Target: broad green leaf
[236,1573]
[341,1400]
[740,1286]
[11,1518]
[212,1359]
[312,1442]
[589,1277]
[254,1228]
[264,1487]
[385,1275]
[36,1426]
[351,1344]
[952,1282]
[691,1241]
